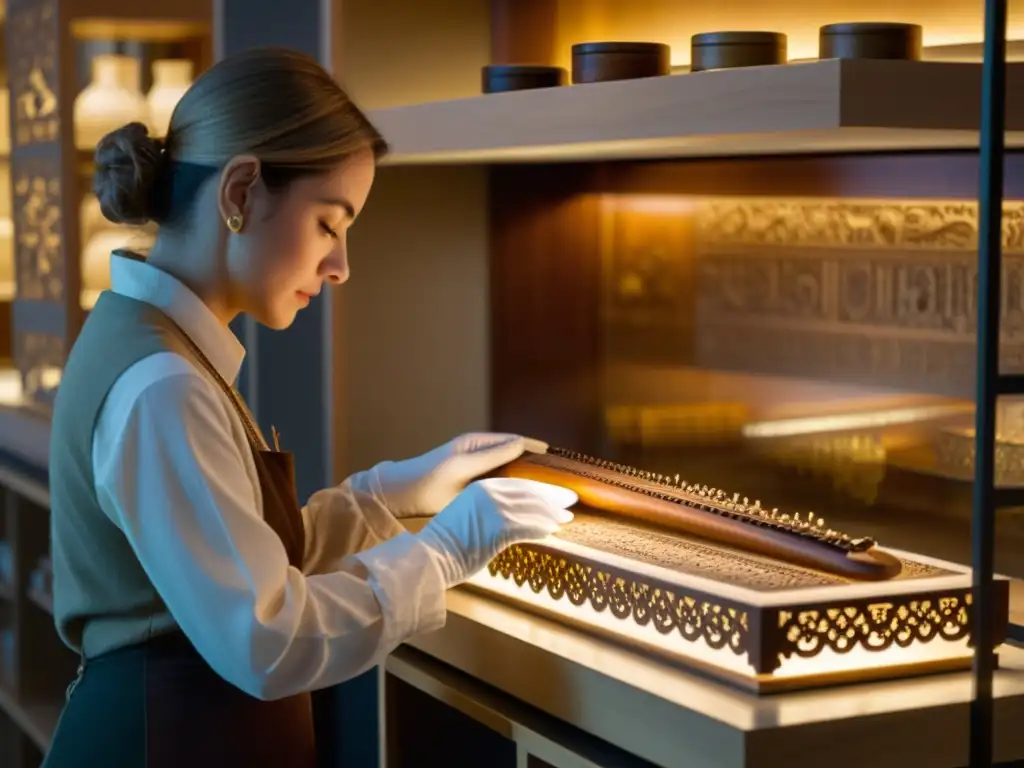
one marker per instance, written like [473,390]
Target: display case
[761,279]
[73,70]
[76,69]
[796,330]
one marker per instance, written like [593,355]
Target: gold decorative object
[38,244]
[954,446]
[6,232]
[855,463]
[5,122]
[954,452]
[677,425]
[751,621]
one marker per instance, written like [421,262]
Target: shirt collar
[138,280]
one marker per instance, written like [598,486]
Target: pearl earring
[234,222]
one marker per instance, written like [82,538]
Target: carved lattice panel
[38,249]
[40,360]
[832,622]
[32,44]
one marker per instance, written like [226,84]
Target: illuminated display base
[751,621]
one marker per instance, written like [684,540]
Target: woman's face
[294,241]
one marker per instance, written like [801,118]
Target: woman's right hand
[485,518]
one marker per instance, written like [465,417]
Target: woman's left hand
[427,484]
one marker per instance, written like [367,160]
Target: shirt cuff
[408,585]
[369,497]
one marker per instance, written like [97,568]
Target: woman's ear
[237,180]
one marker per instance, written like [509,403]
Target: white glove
[488,516]
[427,484]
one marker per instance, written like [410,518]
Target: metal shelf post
[990,383]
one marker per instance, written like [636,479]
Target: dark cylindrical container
[726,50]
[599,62]
[499,78]
[870,40]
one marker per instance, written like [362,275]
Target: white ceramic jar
[171,78]
[113,98]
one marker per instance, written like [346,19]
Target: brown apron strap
[252,429]
[275,469]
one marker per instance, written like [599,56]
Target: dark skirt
[159,705]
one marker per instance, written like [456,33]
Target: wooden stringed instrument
[710,513]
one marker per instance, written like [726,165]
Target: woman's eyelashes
[329,230]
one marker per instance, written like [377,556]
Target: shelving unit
[50,181]
[799,108]
[33,677]
[46,40]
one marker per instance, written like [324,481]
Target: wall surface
[409,331]
[413,319]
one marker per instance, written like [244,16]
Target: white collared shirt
[174,471]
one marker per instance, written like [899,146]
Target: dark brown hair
[276,104]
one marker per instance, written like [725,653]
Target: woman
[204,602]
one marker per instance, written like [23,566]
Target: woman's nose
[335,267]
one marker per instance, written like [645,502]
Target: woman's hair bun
[129,169]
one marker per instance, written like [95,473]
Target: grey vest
[102,597]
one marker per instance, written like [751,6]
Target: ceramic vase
[171,78]
[100,237]
[113,98]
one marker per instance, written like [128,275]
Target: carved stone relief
[845,223]
[872,291]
